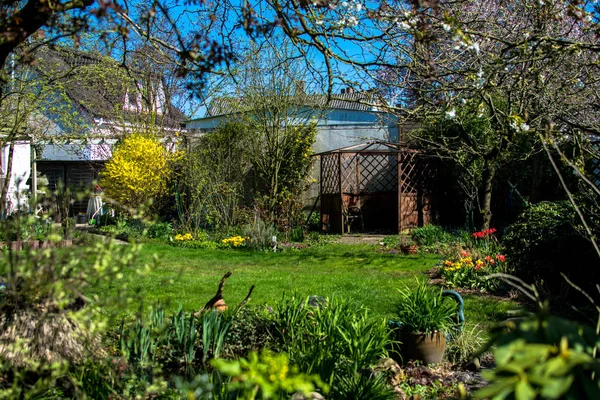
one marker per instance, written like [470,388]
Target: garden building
[377,186]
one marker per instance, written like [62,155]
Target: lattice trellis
[368,181]
[330,183]
[374,172]
[416,171]
[595,173]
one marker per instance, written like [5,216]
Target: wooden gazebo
[375,187]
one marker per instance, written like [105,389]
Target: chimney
[343,91]
[349,90]
[300,87]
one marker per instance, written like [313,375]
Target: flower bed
[471,270]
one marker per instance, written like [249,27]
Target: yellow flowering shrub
[137,171]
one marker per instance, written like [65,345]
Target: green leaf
[555,388]
[497,390]
[524,391]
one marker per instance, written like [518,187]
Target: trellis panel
[330,174]
[371,180]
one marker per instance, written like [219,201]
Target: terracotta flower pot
[426,347]
[412,249]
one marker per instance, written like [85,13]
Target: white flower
[446,27]
[450,114]
[523,127]
[403,25]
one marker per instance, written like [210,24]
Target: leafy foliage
[424,310]
[545,241]
[260,234]
[544,357]
[49,329]
[329,337]
[182,344]
[431,235]
[266,376]
[216,172]
[363,387]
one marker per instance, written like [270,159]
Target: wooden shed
[375,187]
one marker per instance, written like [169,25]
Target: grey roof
[97,97]
[358,101]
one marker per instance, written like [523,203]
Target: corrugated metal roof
[361,101]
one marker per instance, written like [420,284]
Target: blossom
[501,257]
[484,233]
[464,254]
[184,238]
[234,241]
[450,114]
[479,264]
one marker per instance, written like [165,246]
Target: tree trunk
[489,173]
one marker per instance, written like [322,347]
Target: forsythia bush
[138,171]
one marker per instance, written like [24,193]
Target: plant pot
[426,347]
[411,249]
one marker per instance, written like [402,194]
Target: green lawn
[358,273]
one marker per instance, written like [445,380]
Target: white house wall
[21,168]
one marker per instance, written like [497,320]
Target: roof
[375,146]
[356,101]
[102,96]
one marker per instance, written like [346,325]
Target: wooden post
[399,160]
[33,176]
[357,174]
[341,192]
[321,191]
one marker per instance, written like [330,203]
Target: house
[96,102]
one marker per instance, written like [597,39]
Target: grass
[358,273]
